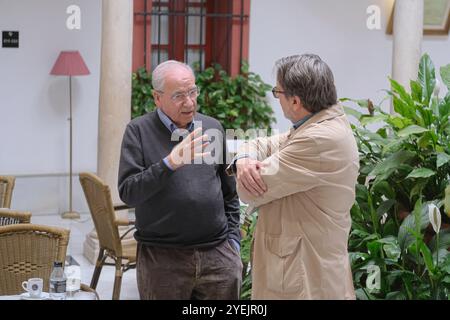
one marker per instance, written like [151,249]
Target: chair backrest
[98,197]
[28,251]
[6,189]
[8,216]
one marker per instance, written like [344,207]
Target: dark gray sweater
[194,206]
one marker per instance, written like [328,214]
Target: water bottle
[73,275]
[58,282]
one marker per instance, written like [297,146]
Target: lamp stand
[70,214]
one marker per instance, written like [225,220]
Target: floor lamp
[70,63]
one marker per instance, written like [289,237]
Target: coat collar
[326,114]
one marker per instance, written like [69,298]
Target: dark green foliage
[237,102]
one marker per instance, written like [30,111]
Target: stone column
[115,98]
[407,44]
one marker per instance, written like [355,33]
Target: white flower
[435,217]
[383,218]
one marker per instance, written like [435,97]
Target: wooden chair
[8,216]
[98,196]
[6,189]
[28,251]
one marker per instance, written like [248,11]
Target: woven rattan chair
[98,196]
[6,189]
[86,288]
[28,251]
[8,216]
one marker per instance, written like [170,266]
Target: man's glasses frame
[276,92]
[180,97]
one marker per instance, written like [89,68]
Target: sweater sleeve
[137,183]
[230,198]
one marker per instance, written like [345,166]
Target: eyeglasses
[180,97]
[276,93]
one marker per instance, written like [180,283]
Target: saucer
[26,296]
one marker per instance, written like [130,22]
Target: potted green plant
[404,170]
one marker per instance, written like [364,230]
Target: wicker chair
[8,216]
[6,189]
[28,251]
[86,288]
[98,196]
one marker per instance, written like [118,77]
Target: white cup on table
[34,287]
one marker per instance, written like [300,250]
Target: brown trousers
[183,274]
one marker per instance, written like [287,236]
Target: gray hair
[309,78]
[159,74]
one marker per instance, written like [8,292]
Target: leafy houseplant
[247,231]
[404,170]
[237,102]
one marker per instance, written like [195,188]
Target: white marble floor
[78,230]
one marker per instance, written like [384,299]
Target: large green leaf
[427,77]
[367,119]
[413,129]
[427,257]
[398,122]
[361,193]
[385,189]
[440,256]
[405,238]
[442,158]
[421,173]
[393,146]
[416,91]
[403,108]
[445,75]
[355,256]
[395,295]
[385,207]
[444,240]
[392,251]
[393,162]
[400,90]
[405,233]
[426,140]
[444,107]
[352,112]
[418,187]
[372,136]
[363,103]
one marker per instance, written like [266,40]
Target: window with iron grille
[193,31]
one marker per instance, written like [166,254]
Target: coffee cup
[33,286]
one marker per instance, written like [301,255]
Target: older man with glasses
[187,211]
[303,184]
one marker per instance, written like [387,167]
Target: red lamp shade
[69,63]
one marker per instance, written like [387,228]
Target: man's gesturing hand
[249,176]
[188,150]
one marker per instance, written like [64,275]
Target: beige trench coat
[300,248]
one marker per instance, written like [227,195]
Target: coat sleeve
[137,183]
[263,147]
[290,170]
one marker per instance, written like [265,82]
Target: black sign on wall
[10,39]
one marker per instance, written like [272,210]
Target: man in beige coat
[303,184]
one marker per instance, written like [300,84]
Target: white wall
[361,59]
[34,106]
